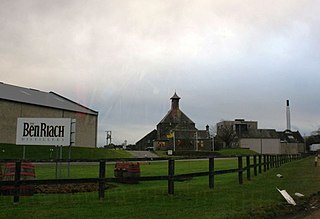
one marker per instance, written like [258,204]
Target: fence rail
[259,161]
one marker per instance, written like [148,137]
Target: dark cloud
[227,60]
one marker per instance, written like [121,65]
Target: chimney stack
[175,101]
[288,116]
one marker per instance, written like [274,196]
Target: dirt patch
[305,206]
[70,188]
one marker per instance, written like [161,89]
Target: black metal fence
[261,163]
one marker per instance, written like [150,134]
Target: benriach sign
[43,131]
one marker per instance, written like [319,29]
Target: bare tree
[317,132]
[314,138]
[227,135]
[212,131]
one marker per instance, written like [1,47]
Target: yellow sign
[170,135]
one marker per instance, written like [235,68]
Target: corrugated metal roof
[41,98]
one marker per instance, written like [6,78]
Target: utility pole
[109,138]
[196,141]
[174,141]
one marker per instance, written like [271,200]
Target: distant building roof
[40,98]
[176,116]
[150,136]
[290,136]
[259,133]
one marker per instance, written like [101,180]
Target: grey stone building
[18,102]
[176,131]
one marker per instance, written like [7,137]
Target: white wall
[314,147]
[264,146]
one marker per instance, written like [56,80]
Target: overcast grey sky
[226,59]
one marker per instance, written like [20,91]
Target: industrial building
[264,141]
[19,102]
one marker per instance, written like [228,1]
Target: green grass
[221,152]
[77,170]
[236,151]
[257,198]
[11,151]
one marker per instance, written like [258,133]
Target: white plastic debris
[287,197]
[298,194]
[279,175]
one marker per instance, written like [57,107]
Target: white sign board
[43,131]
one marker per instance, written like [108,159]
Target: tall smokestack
[288,116]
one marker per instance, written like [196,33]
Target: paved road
[142,154]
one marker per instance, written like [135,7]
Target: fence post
[255,165]
[280,160]
[248,167]
[272,161]
[102,176]
[268,162]
[211,172]
[264,163]
[16,197]
[240,170]
[171,176]
[289,158]
[260,163]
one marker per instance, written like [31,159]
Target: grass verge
[35,152]
[257,198]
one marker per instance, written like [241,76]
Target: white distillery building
[264,141]
[18,102]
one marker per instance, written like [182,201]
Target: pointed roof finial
[175,96]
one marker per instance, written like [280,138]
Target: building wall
[147,141]
[292,148]
[314,147]
[289,148]
[301,147]
[86,124]
[264,146]
[250,124]
[163,129]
